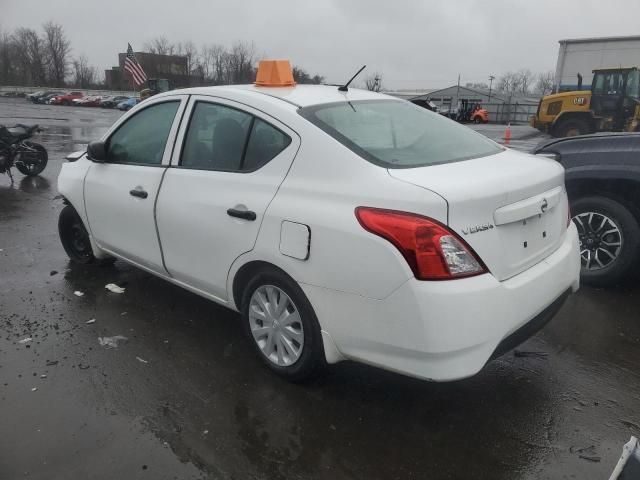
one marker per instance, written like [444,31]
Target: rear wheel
[572,127]
[609,239]
[282,326]
[33,163]
[75,238]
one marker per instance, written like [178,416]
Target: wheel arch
[244,274]
[625,191]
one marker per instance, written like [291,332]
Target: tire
[271,284]
[572,127]
[30,169]
[75,239]
[607,215]
[477,119]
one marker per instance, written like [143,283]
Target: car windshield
[398,134]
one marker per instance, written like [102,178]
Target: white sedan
[341,225]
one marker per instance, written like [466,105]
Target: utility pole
[491,79]
[458,94]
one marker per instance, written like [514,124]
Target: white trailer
[582,55]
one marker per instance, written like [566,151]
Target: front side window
[142,138]
[226,139]
[397,134]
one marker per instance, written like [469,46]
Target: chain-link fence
[510,112]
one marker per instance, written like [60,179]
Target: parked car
[603,182]
[66,99]
[44,96]
[340,224]
[112,101]
[88,101]
[128,104]
[32,96]
[47,98]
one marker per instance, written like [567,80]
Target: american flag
[132,66]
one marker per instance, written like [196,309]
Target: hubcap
[79,240]
[600,240]
[276,325]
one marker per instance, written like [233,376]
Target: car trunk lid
[510,207]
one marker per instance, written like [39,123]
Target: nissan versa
[340,223]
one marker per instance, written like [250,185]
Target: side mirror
[97,152]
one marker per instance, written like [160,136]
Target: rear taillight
[432,250]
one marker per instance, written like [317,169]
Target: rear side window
[398,134]
[264,144]
[226,139]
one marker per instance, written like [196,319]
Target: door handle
[138,193]
[245,214]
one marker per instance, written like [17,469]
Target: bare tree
[544,83]
[57,49]
[239,62]
[29,49]
[189,50]
[373,82]
[83,73]
[7,64]
[160,46]
[526,78]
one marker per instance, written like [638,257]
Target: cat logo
[579,101]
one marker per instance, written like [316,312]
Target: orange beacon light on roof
[274,73]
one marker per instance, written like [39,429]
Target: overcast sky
[413,43]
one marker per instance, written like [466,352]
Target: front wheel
[282,326]
[609,239]
[75,238]
[33,162]
[572,127]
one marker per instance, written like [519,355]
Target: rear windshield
[398,134]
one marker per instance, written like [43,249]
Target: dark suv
[603,182]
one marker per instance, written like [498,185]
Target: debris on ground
[51,363]
[25,340]
[111,342]
[523,353]
[586,453]
[112,287]
[34,389]
[88,322]
[78,293]
[141,360]
[630,424]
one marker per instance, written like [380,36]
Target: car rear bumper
[450,329]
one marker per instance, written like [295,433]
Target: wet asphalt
[184,397]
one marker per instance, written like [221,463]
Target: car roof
[299,95]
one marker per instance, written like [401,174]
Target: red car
[66,99]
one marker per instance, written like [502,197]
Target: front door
[213,199]
[120,193]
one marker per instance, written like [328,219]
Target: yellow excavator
[155,86]
[612,105]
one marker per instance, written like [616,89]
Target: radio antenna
[345,87]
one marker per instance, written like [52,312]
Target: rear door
[229,167]
[120,194]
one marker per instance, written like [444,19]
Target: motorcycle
[28,157]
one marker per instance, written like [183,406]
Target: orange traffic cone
[507,134]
